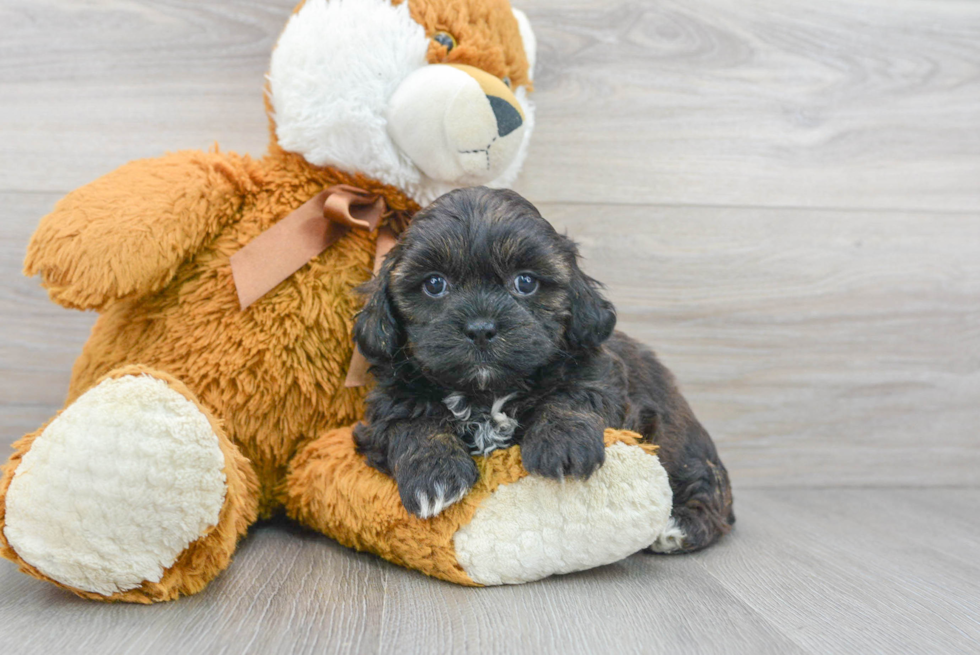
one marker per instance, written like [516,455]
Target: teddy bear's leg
[510,528]
[133,492]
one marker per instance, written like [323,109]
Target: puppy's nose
[481,331]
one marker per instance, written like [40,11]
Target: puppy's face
[480,293]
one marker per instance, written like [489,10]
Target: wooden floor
[784,200]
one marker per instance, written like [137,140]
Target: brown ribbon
[288,245]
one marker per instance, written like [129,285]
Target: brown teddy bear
[212,390]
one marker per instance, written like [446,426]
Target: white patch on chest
[483,429]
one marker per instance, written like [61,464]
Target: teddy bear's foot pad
[536,527]
[116,487]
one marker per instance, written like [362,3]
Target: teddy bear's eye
[507,81]
[445,39]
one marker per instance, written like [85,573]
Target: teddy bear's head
[425,95]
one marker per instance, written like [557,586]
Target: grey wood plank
[646,604]
[837,579]
[940,520]
[950,527]
[287,591]
[774,103]
[90,86]
[834,104]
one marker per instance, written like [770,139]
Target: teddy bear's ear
[530,42]
[377,330]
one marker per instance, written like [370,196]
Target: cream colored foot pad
[116,487]
[537,527]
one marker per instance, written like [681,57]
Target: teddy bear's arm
[126,233]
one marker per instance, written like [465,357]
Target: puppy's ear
[377,330]
[592,318]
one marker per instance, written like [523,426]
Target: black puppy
[482,332]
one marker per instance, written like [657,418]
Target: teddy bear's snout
[458,124]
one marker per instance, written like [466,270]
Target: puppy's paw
[428,485]
[564,445]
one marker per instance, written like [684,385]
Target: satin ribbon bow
[288,245]
[306,232]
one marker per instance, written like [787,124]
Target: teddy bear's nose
[508,118]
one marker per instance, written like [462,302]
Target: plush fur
[274,374]
[563,527]
[148,246]
[148,474]
[483,331]
[459,125]
[202,560]
[339,63]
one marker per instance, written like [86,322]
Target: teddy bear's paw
[537,527]
[116,487]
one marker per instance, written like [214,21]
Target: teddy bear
[215,388]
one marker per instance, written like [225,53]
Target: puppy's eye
[445,39]
[435,286]
[525,284]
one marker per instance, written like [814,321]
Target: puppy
[483,332]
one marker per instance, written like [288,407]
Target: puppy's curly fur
[483,332]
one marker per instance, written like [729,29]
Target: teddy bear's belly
[274,374]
